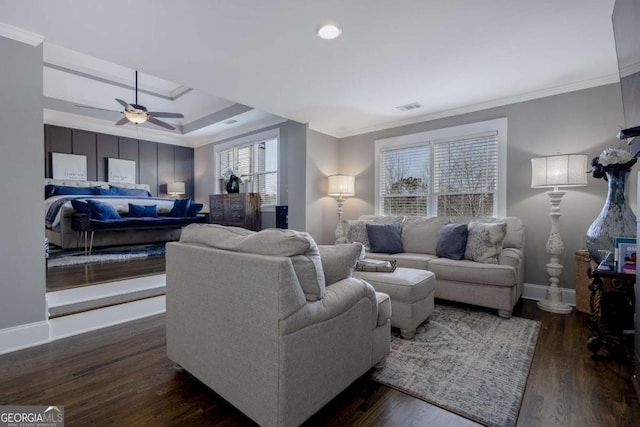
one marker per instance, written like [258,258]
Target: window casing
[255,161]
[459,171]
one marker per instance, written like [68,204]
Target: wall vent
[230,121]
[408,107]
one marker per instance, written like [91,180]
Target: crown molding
[20,35]
[528,96]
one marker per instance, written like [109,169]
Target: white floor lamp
[568,170]
[341,186]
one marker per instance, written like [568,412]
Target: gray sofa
[496,285]
[270,322]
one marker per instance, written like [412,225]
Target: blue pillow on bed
[180,208]
[81,207]
[121,191]
[194,208]
[65,190]
[103,211]
[139,211]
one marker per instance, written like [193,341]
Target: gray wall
[291,172]
[157,164]
[584,121]
[22,264]
[322,210]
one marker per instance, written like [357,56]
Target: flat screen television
[626,30]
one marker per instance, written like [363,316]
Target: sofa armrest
[511,257]
[339,298]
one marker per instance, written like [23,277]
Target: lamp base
[555,307]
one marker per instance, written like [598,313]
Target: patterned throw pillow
[484,242]
[356,231]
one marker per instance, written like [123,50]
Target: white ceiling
[450,56]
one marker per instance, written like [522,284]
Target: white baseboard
[536,292]
[66,326]
[23,336]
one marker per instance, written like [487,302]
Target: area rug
[472,363]
[65,258]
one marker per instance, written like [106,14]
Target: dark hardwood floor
[121,376]
[59,278]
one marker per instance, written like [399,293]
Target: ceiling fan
[137,114]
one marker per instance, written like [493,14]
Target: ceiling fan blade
[124,104]
[160,123]
[167,115]
[97,108]
[122,121]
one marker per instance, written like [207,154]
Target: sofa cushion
[485,241]
[194,208]
[180,208]
[356,230]
[473,272]
[297,245]
[385,238]
[452,241]
[81,207]
[339,261]
[420,234]
[140,211]
[102,211]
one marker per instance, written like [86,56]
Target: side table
[613,310]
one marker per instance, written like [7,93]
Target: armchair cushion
[297,245]
[339,261]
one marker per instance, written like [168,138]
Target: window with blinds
[465,176]
[256,164]
[448,172]
[405,180]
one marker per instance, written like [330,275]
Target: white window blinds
[404,180]
[465,175]
[456,171]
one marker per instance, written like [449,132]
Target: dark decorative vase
[616,218]
[233,185]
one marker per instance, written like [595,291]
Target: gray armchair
[266,332]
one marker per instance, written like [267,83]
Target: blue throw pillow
[102,191]
[385,238]
[64,190]
[194,208]
[139,211]
[103,211]
[81,207]
[121,191]
[180,208]
[452,241]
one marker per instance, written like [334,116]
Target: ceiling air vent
[230,121]
[408,107]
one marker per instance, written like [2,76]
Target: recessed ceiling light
[328,31]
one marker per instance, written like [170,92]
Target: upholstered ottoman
[411,291]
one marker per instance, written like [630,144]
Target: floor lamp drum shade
[175,188]
[342,185]
[567,170]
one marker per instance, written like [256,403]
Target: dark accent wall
[156,163]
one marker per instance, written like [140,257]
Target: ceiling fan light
[136,117]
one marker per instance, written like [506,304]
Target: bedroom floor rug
[120,253]
[472,363]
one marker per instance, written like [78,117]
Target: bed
[140,217]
